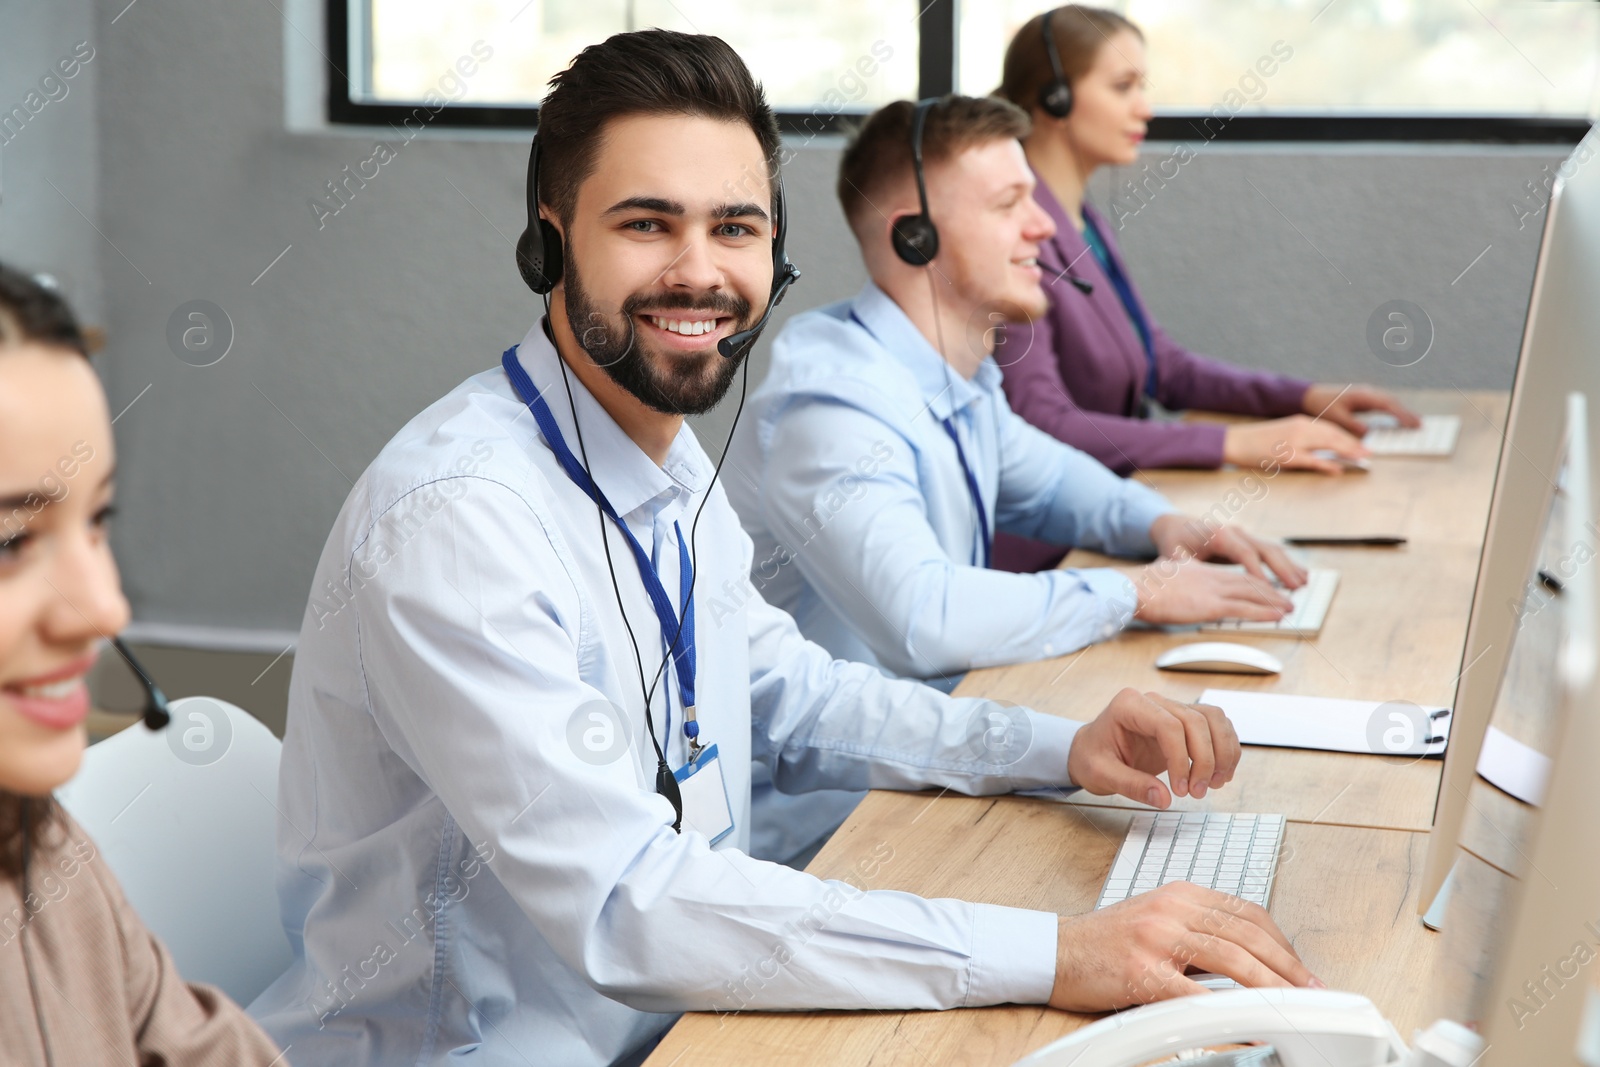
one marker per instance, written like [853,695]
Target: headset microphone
[1084,285]
[156,714]
[736,344]
[784,274]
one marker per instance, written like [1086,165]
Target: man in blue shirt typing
[878,459]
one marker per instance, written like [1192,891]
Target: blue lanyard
[1130,302]
[684,660]
[981,551]
[972,487]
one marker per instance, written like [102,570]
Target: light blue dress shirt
[462,877]
[864,527]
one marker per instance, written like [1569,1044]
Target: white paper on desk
[1513,766]
[1372,727]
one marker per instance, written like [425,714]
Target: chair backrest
[187,820]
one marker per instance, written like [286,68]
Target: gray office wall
[345,327]
[1279,256]
[49,162]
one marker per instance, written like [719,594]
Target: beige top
[108,992]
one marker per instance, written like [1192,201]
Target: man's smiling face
[669,251]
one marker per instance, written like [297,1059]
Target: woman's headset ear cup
[916,239]
[1056,99]
[1055,95]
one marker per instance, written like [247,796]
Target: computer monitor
[1544,970]
[1560,354]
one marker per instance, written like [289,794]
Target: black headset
[915,237]
[539,247]
[539,256]
[1055,95]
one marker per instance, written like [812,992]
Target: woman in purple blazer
[1088,369]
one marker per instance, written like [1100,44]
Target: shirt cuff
[1044,764]
[1116,600]
[1013,958]
[1144,508]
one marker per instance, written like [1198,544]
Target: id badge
[705,796]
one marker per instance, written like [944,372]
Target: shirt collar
[629,478]
[944,391]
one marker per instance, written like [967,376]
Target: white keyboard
[1229,852]
[1435,437]
[1311,602]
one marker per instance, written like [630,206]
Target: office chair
[187,820]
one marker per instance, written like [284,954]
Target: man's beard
[673,384]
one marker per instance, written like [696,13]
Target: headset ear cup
[916,239]
[530,262]
[554,255]
[1056,99]
[539,258]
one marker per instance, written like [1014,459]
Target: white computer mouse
[1223,657]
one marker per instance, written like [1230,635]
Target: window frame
[936,74]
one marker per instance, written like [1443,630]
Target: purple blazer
[1077,373]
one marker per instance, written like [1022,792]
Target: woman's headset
[1055,95]
[539,256]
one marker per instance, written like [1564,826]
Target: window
[818,59]
[1505,70]
[1356,57]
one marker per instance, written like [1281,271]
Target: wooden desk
[1345,891]
[1332,881]
[1395,632]
[1367,650]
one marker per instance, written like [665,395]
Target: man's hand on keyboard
[1136,951]
[1174,591]
[1180,537]
[1139,735]
[1339,405]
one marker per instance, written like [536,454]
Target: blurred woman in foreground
[81,979]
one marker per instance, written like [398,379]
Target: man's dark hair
[648,72]
[879,155]
[32,313]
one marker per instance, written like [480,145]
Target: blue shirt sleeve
[866,546]
[1050,491]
